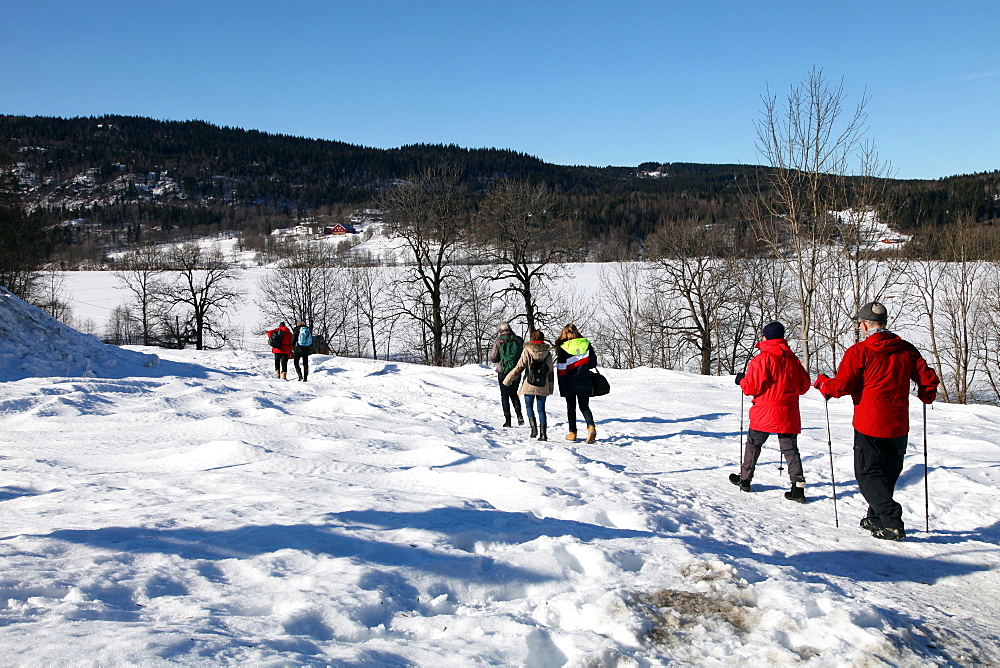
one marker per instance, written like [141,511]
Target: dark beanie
[774,330]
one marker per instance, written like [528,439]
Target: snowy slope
[36,344]
[203,512]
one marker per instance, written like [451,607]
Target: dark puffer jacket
[574,360]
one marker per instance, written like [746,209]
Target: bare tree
[988,344]
[478,312]
[962,307]
[306,286]
[205,285]
[140,271]
[122,327]
[809,146]
[430,213]
[49,295]
[520,234]
[691,273]
[369,298]
[623,329]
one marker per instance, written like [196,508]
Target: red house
[340,228]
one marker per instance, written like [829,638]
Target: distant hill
[111,180]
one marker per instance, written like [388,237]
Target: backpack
[510,352]
[538,372]
[275,337]
[305,337]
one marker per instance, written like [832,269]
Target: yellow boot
[277,374]
[284,375]
[591,433]
[571,436]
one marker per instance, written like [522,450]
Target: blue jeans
[529,406]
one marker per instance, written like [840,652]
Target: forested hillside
[95,184]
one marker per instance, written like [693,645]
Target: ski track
[377,515]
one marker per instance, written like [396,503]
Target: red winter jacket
[286,341]
[775,378]
[876,373]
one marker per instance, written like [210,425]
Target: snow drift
[37,345]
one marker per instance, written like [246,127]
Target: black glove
[740,377]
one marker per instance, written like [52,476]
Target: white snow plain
[189,508]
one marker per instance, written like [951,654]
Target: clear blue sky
[594,83]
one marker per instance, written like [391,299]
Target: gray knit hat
[874,312]
[503,327]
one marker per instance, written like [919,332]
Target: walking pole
[927,498]
[833,482]
[739,458]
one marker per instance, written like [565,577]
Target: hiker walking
[539,377]
[505,353]
[574,359]
[876,372]
[302,341]
[280,340]
[775,378]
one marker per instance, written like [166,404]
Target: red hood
[886,343]
[777,347]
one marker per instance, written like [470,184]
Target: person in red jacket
[876,372]
[282,352]
[775,378]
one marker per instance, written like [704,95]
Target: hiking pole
[833,481]
[927,498]
[739,458]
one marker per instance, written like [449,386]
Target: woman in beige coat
[537,364]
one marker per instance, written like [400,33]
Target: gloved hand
[927,394]
[740,377]
[820,384]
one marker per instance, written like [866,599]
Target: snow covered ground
[192,509]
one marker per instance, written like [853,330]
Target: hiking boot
[284,375]
[534,427]
[591,433]
[886,533]
[870,523]
[744,485]
[520,420]
[542,436]
[571,436]
[506,420]
[797,493]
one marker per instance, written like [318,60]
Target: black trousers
[281,362]
[508,395]
[571,401]
[877,465]
[789,445]
[305,364]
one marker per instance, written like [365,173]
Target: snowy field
[191,509]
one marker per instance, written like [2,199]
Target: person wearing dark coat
[282,352]
[877,372]
[575,358]
[300,353]
[775,379]
[508,395]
